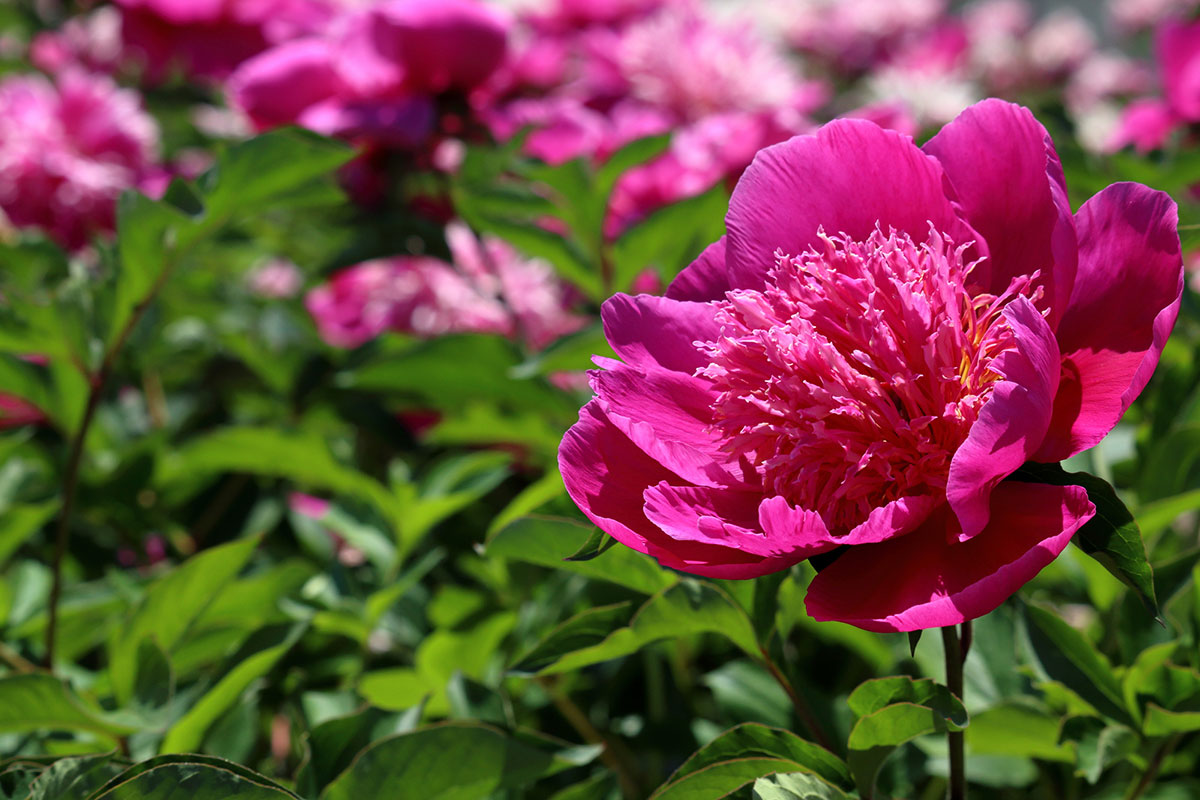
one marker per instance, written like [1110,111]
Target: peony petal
[1012,423]
[606,474]
[849,177]
[648,331]
[1120,315]
[705,278]
[668,415]
[721,517]
[923,581]
[804,531]
[1009,183]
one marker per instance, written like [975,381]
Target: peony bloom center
[852,378]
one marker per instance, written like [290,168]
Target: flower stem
[803,710]
[955,655]
[96,386]
[1147,778]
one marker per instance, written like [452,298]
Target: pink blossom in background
[208,39]
[1132,16]
[372,74]
[308,505]
[68,149]
[91,42]
[883,337]
[1147,123]
[854,35]
[693,66]
[489,288]
[16,413]
[276,279]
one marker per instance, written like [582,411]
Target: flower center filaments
[852,378]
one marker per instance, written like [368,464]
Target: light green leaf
[687,608]
[191,777]
[751,740]
[717,780]
[188,733]
[452,761]
[170,606]
[877,735]
[795,786]
[548,541]
[670,238]
[1067,657]
[35,702]
[586,629]
[71,778]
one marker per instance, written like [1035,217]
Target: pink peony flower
[1177,46]
[488,289]
[1146,124]
[884,336]
[855,34]
[68,149]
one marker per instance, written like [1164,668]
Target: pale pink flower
[91,42]
[276,279]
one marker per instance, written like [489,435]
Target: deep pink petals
[706,278]
[1121,312]
[1012,423]
[649,331]
[1009,183]
[1146,124]
[1178,46]
[667,414]
[850,177]
[922,580]
[802,531]
[722,517]
[606,474]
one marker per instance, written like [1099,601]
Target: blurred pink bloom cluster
[68,148]
[589,78]
[1148,122]
[489,288]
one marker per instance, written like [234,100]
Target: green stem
[954,681]
[97,384]
[1156,762]
[803,710]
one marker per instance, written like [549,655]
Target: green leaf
[877,735]
[1112,536]
[334,744]
[34,702]
[191,777]
[188,733]
[1100,746]
[548,541]
[751,740]
[1067,657]
[687,608]
[453,372]
[586,629]
[1160,722]
[71,778]
[570,353]
[670,238]
[451,761]
[874,695]
[598,542]
[19,523]
[795,786]
[1017,729]
[170,606]
[296,455]
[267,169]
[637,152]
[717,780]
